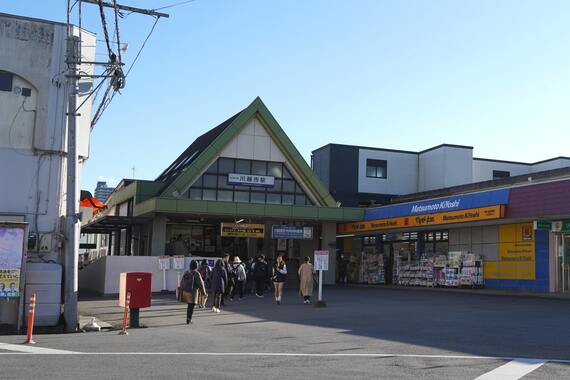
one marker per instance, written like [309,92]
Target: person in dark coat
[260,271]
[192,285]
[218,282]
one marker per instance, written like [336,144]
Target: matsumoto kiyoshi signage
[291,232]
[471,215]
[440,205]
[242,230]
[251,180]
[435,207]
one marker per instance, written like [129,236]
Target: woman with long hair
[279,277]
[218,283]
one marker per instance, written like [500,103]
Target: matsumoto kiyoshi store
[516,237]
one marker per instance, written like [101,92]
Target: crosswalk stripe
[28,349]
[513,370]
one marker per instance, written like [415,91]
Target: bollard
[125,314]
[31,315]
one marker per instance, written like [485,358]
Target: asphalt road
[363,333]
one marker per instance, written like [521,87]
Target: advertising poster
[9,283]
[516,254]
[11,246]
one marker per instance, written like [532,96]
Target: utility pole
[71,217]
[73,60]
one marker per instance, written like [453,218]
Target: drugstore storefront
[497,239]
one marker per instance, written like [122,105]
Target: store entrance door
[562,263]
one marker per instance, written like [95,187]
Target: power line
[174,5]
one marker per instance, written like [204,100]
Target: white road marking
[513,370]
[30,349]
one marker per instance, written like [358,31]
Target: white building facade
[33,146]
[361,176]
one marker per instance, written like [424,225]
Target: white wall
[32,130]
[402,172]
[102,276]
[444,167]
[483,170]
[549,165]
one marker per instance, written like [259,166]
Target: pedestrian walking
[219,281]
[229,277]
[204,271]
[260,275]
[279,277]
[240,278]
[191,285]
[306,272]
[249,283]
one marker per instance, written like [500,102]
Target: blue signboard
[433,206]
[291,232]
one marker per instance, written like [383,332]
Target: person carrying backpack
[240,278]
[191,285]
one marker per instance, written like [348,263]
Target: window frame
[377,163]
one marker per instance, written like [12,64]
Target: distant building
[102,191]
[362,176]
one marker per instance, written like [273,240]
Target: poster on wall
[516,254]
[12,271]
[11,247]
[9,283]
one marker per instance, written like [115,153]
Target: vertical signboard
[12,261]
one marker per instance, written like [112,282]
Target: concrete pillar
[158,238]
[328,235]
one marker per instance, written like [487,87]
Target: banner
[242,230]
[9,283]
[471,215]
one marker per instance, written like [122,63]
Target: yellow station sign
[462,216]
[242,230]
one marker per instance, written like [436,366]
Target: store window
[376,168]
[498,174]
[214,184]
[435,243]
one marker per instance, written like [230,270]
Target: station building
[241,188]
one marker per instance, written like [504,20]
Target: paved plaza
[363,333]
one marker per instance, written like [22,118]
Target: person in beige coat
[306,271]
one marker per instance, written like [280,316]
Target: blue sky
[396,74]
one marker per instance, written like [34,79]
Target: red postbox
[139,284]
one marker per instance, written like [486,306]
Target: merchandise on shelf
[472,271]
[373,268]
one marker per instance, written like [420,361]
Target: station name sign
[470,215]
[291,232]
[242,230]
[251,180]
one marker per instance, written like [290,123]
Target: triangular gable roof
[212,143]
